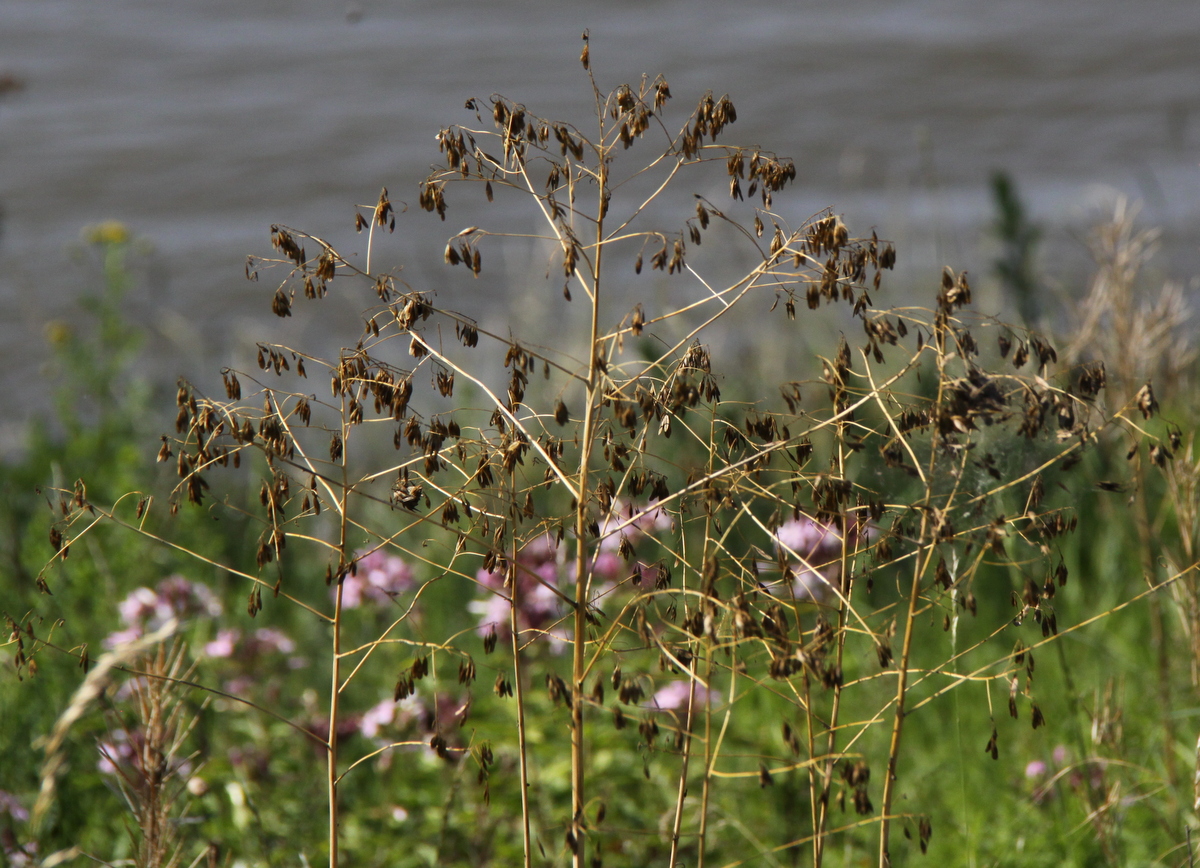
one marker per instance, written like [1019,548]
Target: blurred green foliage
[1063,794]
[1016,265]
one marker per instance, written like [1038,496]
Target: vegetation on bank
[472,596]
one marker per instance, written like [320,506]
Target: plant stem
[331,767]
[677,824]
[519,695]
[578,662]
[889,780]
[831,747]
[335,663]
[706,644]
[814,799]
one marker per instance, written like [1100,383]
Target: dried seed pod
[1146,402]
[764,776]
[502,687]
[992,745]
[383,209]
[1036,717]
[467,334]
[637,320]
[862,802]
[281,304]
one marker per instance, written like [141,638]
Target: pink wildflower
[378,577]
[814,552]
[537,576]
[223,645]
[675,696]
[147,610]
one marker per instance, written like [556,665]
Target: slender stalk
[578,661]
[889,780]
[814,800]
[831,745]
[514,627]
[677,823]
[335,663]
[519,695]
[702,832]
[706,644]
[712,751]
[920,565]
[332,756]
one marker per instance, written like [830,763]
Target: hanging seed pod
[281,304]
[1146,402]
[502,687]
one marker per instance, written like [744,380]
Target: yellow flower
[107,232]
[58,332]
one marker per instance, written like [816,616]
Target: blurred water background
[199,124]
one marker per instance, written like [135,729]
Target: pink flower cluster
[409,723]
[542,568]
[674,697]
[414,716]
[263,641]
[145,610]
[813,551]
[538,606]
[388,714]
[377,578]
[632,521]
[249,651]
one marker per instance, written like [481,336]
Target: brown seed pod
[1146,402]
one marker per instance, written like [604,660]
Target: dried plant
[97,681]
[1144,341]
[789,562]
[144,753]
[148,760]
[1149,346]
